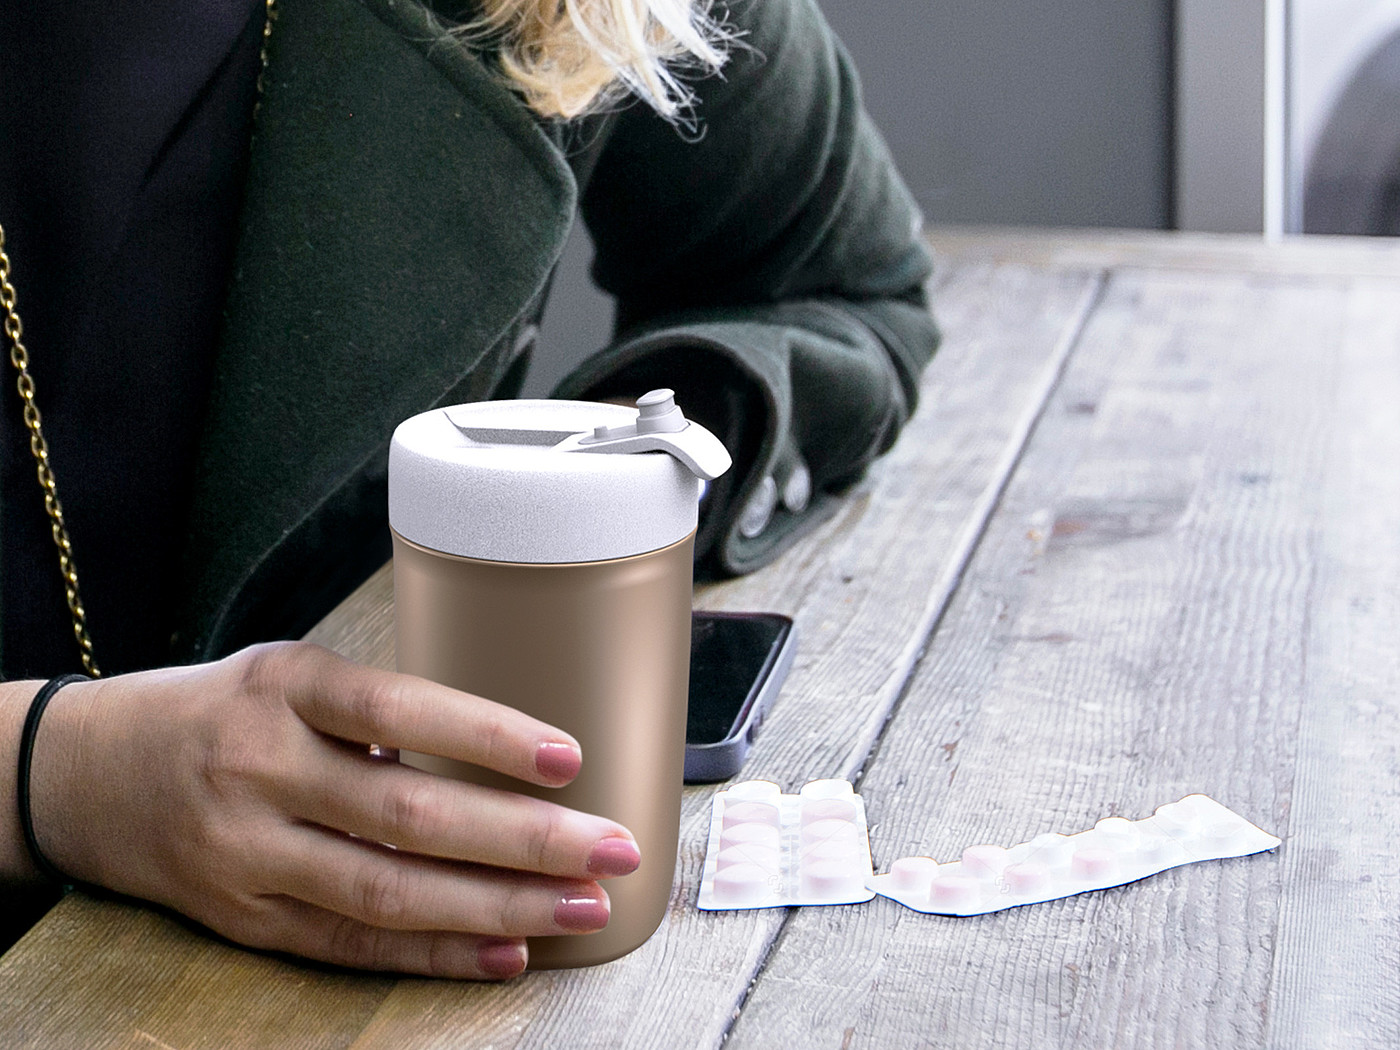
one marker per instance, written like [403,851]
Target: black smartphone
[737,665]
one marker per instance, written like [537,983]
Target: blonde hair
[571,56]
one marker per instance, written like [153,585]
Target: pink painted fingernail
[614,855]
[501,959]
[581,913]
[556,760]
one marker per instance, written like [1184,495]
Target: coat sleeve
[767,265]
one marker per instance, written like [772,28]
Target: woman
[384,245]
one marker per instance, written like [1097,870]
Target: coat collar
[403,209]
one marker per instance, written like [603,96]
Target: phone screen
[730,655]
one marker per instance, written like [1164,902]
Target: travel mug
[543,559]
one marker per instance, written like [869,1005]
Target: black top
[124,131]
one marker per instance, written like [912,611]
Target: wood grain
[362,626]
[1136,626]
[99,974]
[863,602]
[1338,948]
[1138,541]
[864,595]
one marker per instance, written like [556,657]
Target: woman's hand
[243,794]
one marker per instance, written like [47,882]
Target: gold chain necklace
[38,447]
[19,357]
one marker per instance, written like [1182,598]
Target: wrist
[55,805]
[15,863]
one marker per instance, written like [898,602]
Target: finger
[440,817]
[314,933]
[390,889]
[346,700]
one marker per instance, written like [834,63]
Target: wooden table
[1142,539]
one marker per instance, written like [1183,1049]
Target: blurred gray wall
[1018,111]
[998,111]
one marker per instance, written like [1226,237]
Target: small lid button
[659,413]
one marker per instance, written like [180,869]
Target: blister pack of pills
[767,849]
[1115,851]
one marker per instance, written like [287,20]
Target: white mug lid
[550,482]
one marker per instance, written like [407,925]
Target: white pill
[984,861]
[1220,832]
[1050,849]
[828,879]
[827,809]
[754,790]
[1201,805]
[747,812]
[1176,819]
[913,874]
[766,857]
[1026,878]
[827,789]
[1157,850]
[1093,864]
[954,892]
[1117,833]
[846,851]
[743,884]
[829,831]
[746,834]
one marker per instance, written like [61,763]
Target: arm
[771,272]
[15,866]
[242,793]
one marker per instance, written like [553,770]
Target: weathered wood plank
[1135,626]
[1051,249]
[865,590]
[98,974]
[362,626]
[700,966]
[1338,948]
[1184,569]
[863,603]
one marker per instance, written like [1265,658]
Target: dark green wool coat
[404,213]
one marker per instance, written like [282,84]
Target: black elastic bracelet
[26,759]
